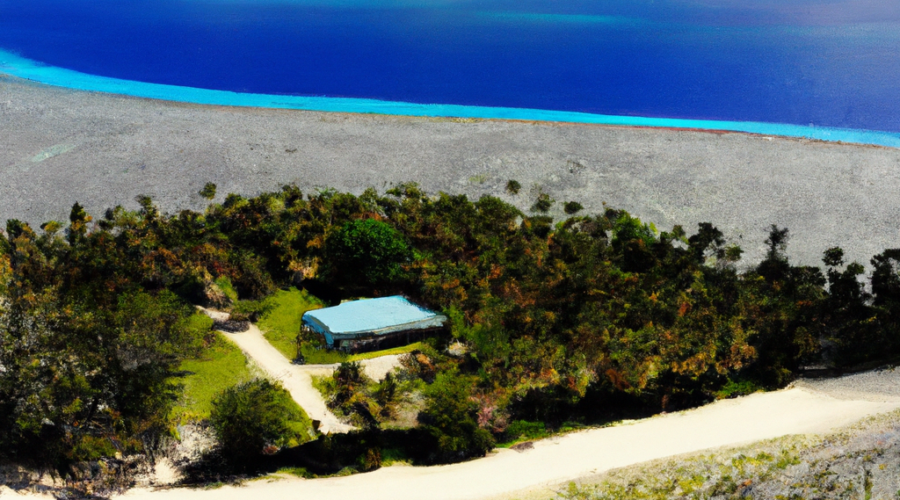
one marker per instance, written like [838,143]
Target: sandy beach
[59,146]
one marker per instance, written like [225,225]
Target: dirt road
[555,461]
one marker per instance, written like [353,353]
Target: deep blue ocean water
[826,63]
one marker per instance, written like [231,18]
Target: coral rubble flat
[60,146]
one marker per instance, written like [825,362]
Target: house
[372,324]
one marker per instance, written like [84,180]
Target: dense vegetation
[257,417]
[565,320]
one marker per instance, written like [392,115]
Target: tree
[886,279]
[449,418]
[708,240]
[886,300]
[79,220]
[253,417]
[775,266]
[368,252]
[851,327]
[633,241]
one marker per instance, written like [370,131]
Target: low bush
[250,310]
[543,203]
[312,354]
[208,191]
[737,388]
[224,284]
[523,429]
[449,420]
[572,207]
[257,417]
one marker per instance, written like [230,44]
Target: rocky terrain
[59,146]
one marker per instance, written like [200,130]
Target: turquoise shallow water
[23,68]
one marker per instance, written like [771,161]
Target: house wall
[386,341]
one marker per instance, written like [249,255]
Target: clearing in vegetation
[281,322]
[220,366]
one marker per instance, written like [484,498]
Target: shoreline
[27,69]
[59,144]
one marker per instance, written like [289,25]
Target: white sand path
[297,379]
[555,461]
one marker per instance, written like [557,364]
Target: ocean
[823,63]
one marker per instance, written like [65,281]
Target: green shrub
[352,395]
[93,448]
[736,388]
[254,417]
[369,250]
[572,207]
[300,472]
[523,429]
[371,460]
[208,191]
[386,391]
[224,284]
[449,419]
[513,187]
[349,379]
[250,310]
[543,203]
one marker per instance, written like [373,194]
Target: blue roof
[371,315]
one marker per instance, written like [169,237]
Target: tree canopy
[559,317]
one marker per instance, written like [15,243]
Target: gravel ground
[861,461]
[59,146]
[377,368]
[858,461]
[882,385]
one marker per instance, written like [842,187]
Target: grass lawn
[281,324]
[221,366]
[387,352]
[314,356]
